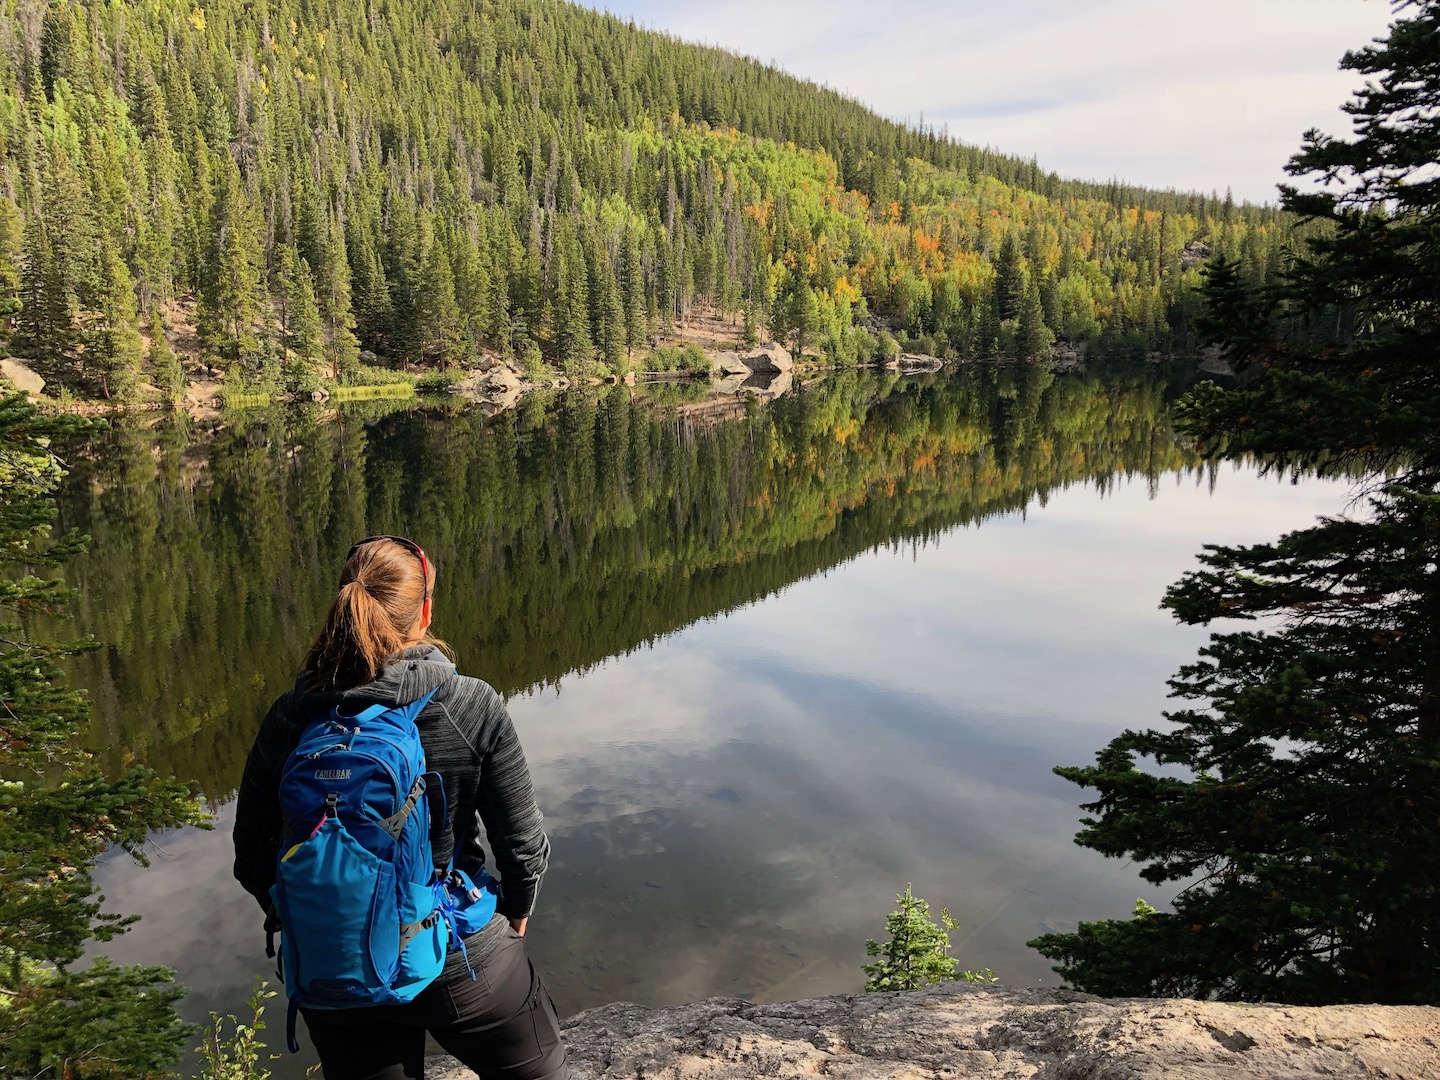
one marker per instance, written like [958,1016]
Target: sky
[1163,93]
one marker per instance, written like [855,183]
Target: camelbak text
[332,774]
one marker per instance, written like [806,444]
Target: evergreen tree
[1033,338]
[12,242]
[300,327]
[497,325]
[440,332]
[472,282]
[918,952]
[341,349]
[607,311]
[804,318]
[632,288]
[1305,806]
[58,276]
[115,349]
[61,813]
[570,311]
[1009,279]
[61,47]
[229,307]
[165,367]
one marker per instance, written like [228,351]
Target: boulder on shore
[920,362]
[768,356]
[22,377]
[504,379]
[728,363]
[954,1030]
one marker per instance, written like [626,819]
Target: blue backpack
[365,914]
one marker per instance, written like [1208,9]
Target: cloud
[1152,91]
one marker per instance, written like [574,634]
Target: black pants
[502,1024]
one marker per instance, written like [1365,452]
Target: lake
[769,662]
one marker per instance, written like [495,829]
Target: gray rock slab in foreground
[954,1031]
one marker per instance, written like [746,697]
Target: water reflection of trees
[568,531]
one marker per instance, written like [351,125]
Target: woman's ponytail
[383,589]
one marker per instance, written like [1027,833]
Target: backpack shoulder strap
[372,712]
[410,710]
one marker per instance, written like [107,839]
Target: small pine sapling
[918,952]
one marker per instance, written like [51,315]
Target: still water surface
[767,669]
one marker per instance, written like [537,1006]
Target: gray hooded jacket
[469,740]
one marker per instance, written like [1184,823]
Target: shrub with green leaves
[688,359]
[236,1055]
[439,382]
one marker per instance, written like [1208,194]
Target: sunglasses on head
[408,544]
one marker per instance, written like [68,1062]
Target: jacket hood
[405,677]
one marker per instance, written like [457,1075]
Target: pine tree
[497,324]
[229,306]
[441,338]
[472,283]
[61,46]
[61,813]
[632,288]
[804,318]
[114,349]
[570,312]
[165,367]
[1303,802]
[403,254]
[918,952]
[1033,338]
[665,284]
[58,278]
[332,280]
[12,243]
[300,326]
[1009,279]
[607,313]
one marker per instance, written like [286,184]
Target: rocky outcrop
[768,357]
[22,378]
[499,387]
[953,1031]
[729,363]
[913,362]
[1194,254]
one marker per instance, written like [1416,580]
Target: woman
[375,647]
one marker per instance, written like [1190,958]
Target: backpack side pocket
[326,930]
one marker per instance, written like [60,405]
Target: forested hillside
[437,180]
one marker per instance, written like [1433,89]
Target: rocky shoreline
[954,1030]
[765,372]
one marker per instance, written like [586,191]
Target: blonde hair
[383,589]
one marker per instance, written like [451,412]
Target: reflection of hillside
[568,532]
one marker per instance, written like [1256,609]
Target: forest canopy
[271,188]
